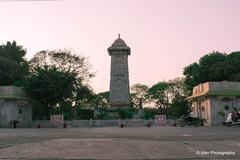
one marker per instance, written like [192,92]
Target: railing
[102,123]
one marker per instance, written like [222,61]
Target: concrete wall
[14,106]
[12,90]
[201,88]
[15,110]
[209,108]
[224,85]
[218,104]
[215,86]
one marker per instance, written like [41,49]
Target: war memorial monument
[119,81]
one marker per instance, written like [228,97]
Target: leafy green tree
[102,104]
[12,51]
[159,94]
[192,75]
[13,66]
[178,104]
[102,99]
[169,97]
[85,114]
[8,72]
[65,108]
[85,97]
[231,67]
[209,68]
[125,113]
[206,63]
[179,107]
[103,114]
[139,95]
[51,87]
[150,113]
[85,102]
[64,61]
[177,88]
[63,78]
[215,66]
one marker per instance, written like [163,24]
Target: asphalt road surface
[121,143]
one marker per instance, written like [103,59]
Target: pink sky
[164,35]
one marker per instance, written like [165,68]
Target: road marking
[189,148]
[6,145]
[236,143]
[186,135]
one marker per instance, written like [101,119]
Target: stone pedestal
[113,113]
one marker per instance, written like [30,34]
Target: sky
[164,35]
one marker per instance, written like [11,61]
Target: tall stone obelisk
[119,83]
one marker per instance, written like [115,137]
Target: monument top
[119,44]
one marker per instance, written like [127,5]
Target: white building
[212,98]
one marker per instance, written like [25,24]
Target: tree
[66,108]
[85,102]
[85,97]
[169,97]
[209,68]
[102,104]
[51,87]
[215,66]
[64,61]
[179,106]
[13,66]
[12,51]
[177,89]
[150,113]
[159,94]
[192,75]
[125,113]
[231,67]
[102,99]
[62,78]
[139,95]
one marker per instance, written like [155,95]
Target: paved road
[121,143]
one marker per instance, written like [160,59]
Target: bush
[150,113]
[125,113]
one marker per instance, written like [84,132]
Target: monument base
[120,112]
[113,113]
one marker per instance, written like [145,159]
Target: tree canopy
[13,66]
[12,51]
[139,94]
[64,61]
[59,78]
[50,87]
[215,66]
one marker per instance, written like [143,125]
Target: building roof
[13,92]
[15,97]
[216,93]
